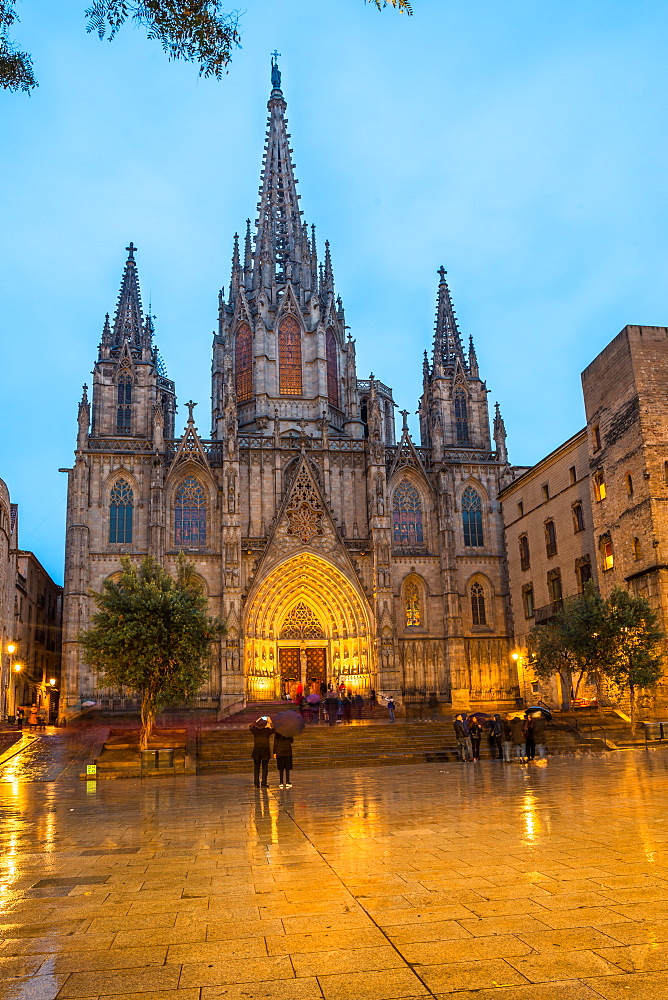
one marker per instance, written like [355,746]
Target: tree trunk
[147,718]
[577,686]
[566,684]
[632,701]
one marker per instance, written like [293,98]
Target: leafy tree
[552,656]
[16,71]
[198,31]
[636,660]
[152,634]
[575,644]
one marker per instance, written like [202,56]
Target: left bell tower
[115,492]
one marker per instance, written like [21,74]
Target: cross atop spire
[275,71]
[447,342]
[129,320]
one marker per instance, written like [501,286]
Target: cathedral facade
[333,551]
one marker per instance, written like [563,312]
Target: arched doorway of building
[306,623]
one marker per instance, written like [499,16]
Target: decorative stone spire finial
[500,435]
[447,342]
[129,320]
[275,71]
[191,406]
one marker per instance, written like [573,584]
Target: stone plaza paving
[512,882]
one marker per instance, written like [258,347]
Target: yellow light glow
[18,667]
[52,681]
[11,648]
[516,656]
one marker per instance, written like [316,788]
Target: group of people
[333,705]
[523,737]
[263,731]
[36,717]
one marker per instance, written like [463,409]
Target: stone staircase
[366,744]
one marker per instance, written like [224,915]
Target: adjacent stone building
[8,531]
[334,552]
[550,546]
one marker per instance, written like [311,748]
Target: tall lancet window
[121,503]
[190,515]
[478,612]
[332,369]
[124,405]
[461,417]
[407,515]
[289,358]
[243,363]
[472,517]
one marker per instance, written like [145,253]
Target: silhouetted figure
[262,733]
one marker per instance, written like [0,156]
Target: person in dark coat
[496,737]
[530,742]
[347,708]
[358,702]
[475,732]
[331,707]
[262,733]
[283,755]
[507,741]
[463,739]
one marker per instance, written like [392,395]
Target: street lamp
[52,681]
[11,648]
[18,667]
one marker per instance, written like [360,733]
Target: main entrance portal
[307,623]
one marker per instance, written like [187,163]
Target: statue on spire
[275,71]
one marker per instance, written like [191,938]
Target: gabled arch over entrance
[343,654]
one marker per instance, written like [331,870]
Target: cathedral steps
[322,746]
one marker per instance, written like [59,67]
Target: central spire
[281,246]
[447,342]
[129,320]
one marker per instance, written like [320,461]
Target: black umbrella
[289,724]
[544,711]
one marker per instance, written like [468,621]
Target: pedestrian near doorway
[283,755]
[391,709]
[19,717]
[530,743]
[475,732]
[262,732]
[358,704]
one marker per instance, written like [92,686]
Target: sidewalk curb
[22,744]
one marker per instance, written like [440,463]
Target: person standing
[463,741]
[373,701]
[358,702]
[507,741]
[283,755]
[518,736]
[530,743]
[347,706]
[331,707]
[475,732]
[391,709]
[540,735]
[496,737]
[262,733]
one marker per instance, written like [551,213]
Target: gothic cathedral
[333,552]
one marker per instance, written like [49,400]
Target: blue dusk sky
[520,144]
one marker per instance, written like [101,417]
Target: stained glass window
[478,614]
[121,502]
[244,363]
[461,417]
[407,515]
[190,515]
[124,405]
[472,517]
[289,358]
[412,604]
[332,369]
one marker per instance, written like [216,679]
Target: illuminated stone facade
[333,552]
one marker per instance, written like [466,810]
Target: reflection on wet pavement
[472,881]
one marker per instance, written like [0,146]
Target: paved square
[468,881]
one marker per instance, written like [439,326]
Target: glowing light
[11,648]
[52,681]
[18,667]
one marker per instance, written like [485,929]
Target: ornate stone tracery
[304,511]
[301,623]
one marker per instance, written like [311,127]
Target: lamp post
[519,661]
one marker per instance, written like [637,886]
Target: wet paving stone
[523,883]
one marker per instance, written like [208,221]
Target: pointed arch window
[472,517]
[413,604]
[461,417]
[332,368]
[124,405]
[190,515]
[289,358]
[478,612]
[407,515]
[243,363]
[121,505]
[301,623]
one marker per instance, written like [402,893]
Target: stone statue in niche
[380,495]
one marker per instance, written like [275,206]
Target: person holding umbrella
[262,733]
